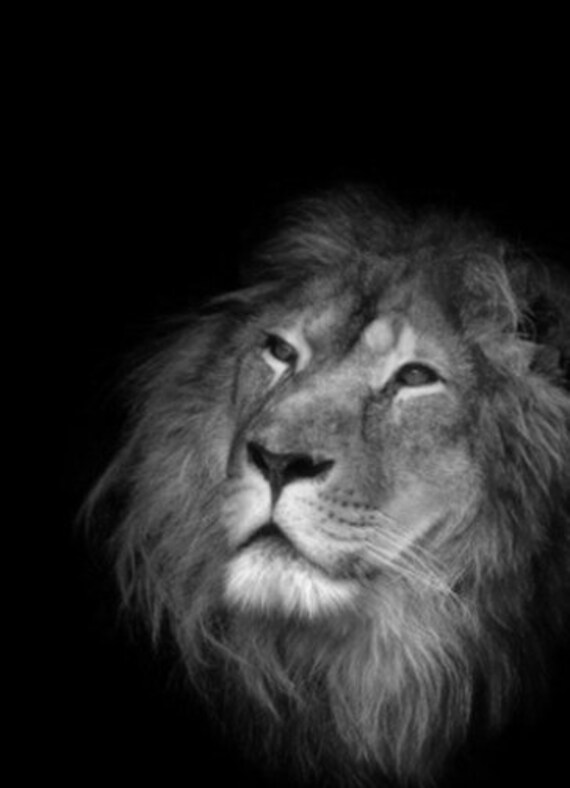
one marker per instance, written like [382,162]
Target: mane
[403,687]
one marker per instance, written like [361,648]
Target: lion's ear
[541,336]
[548,360]
[541,321]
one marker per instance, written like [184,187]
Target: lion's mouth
[270,533]
[271,538]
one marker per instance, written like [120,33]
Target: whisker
[387,543]
[412,561]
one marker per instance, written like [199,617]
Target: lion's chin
[268,575]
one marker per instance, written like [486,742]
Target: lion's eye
[280,349]
[416,375]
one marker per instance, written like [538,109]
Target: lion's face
[346,487]
[351,444]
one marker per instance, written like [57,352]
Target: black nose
[281,469]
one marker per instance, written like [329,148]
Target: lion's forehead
[379,335]
[373,345]
[388,343]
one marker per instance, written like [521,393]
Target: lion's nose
[282,469]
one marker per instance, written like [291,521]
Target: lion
[344,489]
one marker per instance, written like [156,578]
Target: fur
[460,621]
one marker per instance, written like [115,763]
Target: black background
[150,183]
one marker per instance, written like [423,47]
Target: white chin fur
[265,580]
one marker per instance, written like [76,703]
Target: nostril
[258,456]
[305,467]
[280,469]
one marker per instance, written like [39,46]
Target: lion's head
[347,486]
